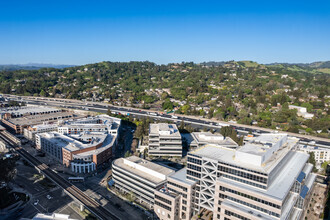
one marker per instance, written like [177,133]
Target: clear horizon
[83,32]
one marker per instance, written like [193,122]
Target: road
[90,204]
[208,123]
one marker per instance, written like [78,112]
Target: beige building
[176,199]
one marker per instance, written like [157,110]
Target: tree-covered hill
[243,91]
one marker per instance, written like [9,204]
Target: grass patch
[324,70]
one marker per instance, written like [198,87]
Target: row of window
[235,215]
[180,193]
[195,161]
[178,186]
[194,167]
[253,171]
[163,206]
[244,181]
[194,174]
[242,174]
[163,199]
[254,206]
[250,197]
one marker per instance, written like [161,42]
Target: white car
[49,197]
[36,202]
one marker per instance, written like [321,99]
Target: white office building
[164,140]
[139,176]
[264,179]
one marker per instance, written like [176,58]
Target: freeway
[93,206]
[210,123]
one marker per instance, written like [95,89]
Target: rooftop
[164,129]
[181,176]
[150,171]
[229,156]
[209,138]
[27,110]
[39,119]
[71,143]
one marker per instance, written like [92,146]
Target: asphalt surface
[26,181]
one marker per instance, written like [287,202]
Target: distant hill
[32,66]
[319,64]
[213,63]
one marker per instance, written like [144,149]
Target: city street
[28,180]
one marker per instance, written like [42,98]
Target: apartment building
[139,176]
[164,140]
[100,123]
[321,154]
[81,148]
[263,179]
[31,131]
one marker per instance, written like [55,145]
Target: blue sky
[80,32]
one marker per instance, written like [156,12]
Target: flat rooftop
[163,129]
[145,169]
[27,109]
[181,176]
[71,143]
[228,155]
[39,119]
[209,138]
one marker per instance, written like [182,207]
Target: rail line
[68,187]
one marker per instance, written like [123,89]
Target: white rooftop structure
[245,156]
[148,170]
[203,138]
[53,216]
[164,129]
[261,148]
[72,143]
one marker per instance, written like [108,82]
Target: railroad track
[74,191]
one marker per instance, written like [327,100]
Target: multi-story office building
[264,179]
[200,139]
[164,140]
[139,176]
[82,149]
